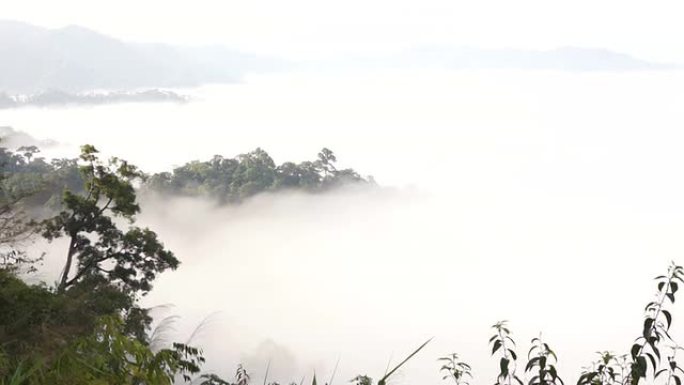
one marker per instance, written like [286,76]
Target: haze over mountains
[75,59]
[463,58]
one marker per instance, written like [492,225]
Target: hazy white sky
[304,28]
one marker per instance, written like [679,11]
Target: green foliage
[230,180]
[35,182]
[645,360]
[540,362]
[212,379]
[503,343]
[609,369]
[15,226]
[88,329]
[241,376]
[21,374]
[109,356]
[235,179]
[99,249]
[673,370]
[48,337]
[36,320]
[646,350]
[23,182]
[456,370]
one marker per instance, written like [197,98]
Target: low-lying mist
[365,275]
[546,199]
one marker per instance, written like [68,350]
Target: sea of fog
[549,199]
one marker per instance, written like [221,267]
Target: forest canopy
[238,178]
[227,180]
[88,328]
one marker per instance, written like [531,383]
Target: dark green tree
[28,152]
[326,161]
[88,329]
[98,247]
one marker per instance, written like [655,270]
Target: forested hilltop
[238,178]
[226,180]
[88,327]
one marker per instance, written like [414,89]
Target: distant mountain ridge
[464,58]
[563,58]
[56,98]
[77,59]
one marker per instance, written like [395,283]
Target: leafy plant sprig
[457,370]
[541,358]
[603,372]
[241,376]
[674,371]
[502,342]
[656,326]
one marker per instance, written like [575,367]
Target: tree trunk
[67,267]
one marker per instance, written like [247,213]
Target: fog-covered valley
[547,198]
[304,192]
